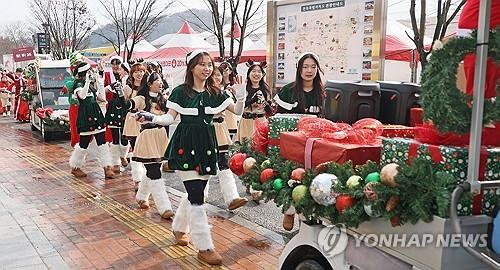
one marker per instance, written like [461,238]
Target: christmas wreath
[341,193]
[446,106]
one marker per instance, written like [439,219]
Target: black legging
[222,161]
[132,141]
[195,190]
[85,140]
[117,134]
[153,170]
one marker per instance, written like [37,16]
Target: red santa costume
[21,107]
[5,96]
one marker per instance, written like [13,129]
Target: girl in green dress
[115,118]
[192,150]
[306,95]
[151,145]
[90,121]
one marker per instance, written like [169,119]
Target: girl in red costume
[21,108]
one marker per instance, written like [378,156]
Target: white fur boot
[229,190]
[115,157]
[200,229]
[201,235]
[123,155]
[105,160]
[138,171]
[142,195]
[161,199]
[180,224]
[77,160]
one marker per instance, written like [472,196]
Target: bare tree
[444,15]
[241,13]
[132,21]
[68,23]
[18,34]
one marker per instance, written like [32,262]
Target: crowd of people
[125,114]
[12,85]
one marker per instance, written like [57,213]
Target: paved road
[264,214]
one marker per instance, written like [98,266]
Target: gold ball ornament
[249,164]
[388,175]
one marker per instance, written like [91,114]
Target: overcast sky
[18,10]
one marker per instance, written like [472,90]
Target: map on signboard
[340,32]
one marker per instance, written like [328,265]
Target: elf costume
[149,150]
[90,121]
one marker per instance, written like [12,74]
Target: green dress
[116,112]
[288,102]
[193,146]
[90,119]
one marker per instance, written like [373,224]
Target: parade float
[352,184]
[49,106]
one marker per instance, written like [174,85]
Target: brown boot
[210,256]
[165,168]
[237,203]
[78,173]
[108,172]
[168,214]
[116,169]
[288,221]
[143,204]
[181,238]
[124,162]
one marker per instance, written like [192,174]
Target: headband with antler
[251,63]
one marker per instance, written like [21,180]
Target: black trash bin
[349,101]
[396,101]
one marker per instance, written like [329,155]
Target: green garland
[58,122]
[446,106]
[423,192]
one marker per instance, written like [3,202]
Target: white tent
[172,54]
[162,40]
[142,49]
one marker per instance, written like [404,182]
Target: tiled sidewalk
[57,221]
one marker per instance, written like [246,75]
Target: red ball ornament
[236,163]
[298,174]
[266,175]
[180,151]
[343,202]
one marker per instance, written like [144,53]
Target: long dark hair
[263,86]
[232,77]
[144,91]
[318,87]
[210,85]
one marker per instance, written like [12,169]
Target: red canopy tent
[398,46]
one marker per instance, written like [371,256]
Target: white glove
[164,120]
[241,93]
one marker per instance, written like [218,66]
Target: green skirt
[193,147]
[90,117]
[116,113]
